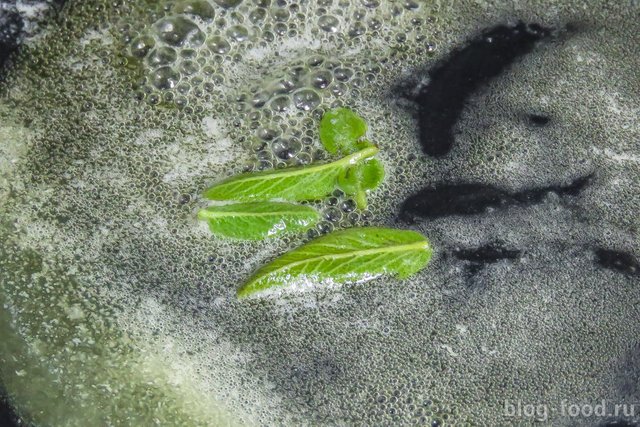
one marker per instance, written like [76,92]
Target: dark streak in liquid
[8,417]
[9,34]
[538,119]
[452,82]
[618,261]
[469,199]
[486,254]
[478,258]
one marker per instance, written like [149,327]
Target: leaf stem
[351,159]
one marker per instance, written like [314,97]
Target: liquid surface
[118,308]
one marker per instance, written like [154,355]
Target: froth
[110,281]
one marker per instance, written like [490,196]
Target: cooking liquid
[119,308]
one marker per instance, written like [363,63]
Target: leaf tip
[202,214]
[244,291]
[210,193]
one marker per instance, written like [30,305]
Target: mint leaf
[253,221]
[348,180]
[371,174]
[356,180]
[352,255]
[341,130]
[294,184]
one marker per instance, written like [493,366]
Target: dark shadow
[469,199]
[441,102]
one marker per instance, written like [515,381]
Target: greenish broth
[118,308]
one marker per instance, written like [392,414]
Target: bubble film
[118,308]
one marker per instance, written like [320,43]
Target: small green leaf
[356,180]
[341,130]
[348,180]
[352,255]
[371,174]
[253,221]
[293,184]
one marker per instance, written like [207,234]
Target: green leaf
[348,181]
[352,255]
[258,220]
[356,180]
[294,184]
[340,131]
[371,174]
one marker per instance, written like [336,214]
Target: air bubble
[304,158]
[268,36]
[258,145]
[238,33]
[339,89]
[179,31]
[357,30]
[257,15]
[264,165]
[282,86]
[286,148]
[315,61]
[165,78]
[188,53]
[189,67]
[333,214]
[162,56]
[410,5]
[265,155]
[280,103]
[153,99]
[342,74]
[228,3]
[375,24]
[183,88]
[306,99]
[280,28]
[321,79]
[267,134]
[200,8]
[218,45]
[140,46]
[281,15]
[325,227]
[260,99]
[328,23]
[348,205]
[370,3]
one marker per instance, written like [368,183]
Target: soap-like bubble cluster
[195,49]
[117,303]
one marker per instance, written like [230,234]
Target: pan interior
[118,308]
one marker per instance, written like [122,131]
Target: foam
[115,293]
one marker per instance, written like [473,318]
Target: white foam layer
[111,281]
